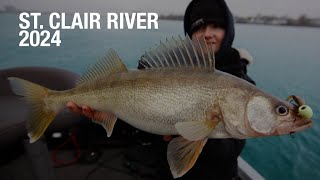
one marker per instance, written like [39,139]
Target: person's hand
[167,138]
[84,110]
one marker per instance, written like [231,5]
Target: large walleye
[180,93]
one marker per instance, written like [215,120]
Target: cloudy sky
[293,8]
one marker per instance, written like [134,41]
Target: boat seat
[14,112]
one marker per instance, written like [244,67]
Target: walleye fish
[179,93]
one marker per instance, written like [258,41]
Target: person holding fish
[191,97]
[214,21]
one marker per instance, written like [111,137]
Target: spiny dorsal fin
[180,53]
[111,63]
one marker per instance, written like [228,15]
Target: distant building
[10,9]
[280,21]
[315,22]
[303,20]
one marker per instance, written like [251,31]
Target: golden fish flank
[180,93]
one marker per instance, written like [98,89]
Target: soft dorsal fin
[180,53]
[111,63]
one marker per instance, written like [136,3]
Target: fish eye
[282,110]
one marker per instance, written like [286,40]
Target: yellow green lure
[305,111]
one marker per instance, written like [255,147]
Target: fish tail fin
[41,114]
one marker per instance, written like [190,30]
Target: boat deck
[36,164]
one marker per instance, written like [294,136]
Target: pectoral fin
[196,130]
[182,155]
[107,120]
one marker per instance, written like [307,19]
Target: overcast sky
[293,8]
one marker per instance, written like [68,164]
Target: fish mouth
[302,126]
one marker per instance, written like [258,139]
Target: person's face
[213,35]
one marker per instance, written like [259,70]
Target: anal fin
[182,155]
[107,120]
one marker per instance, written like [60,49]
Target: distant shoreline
[260,20]
[264,20]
